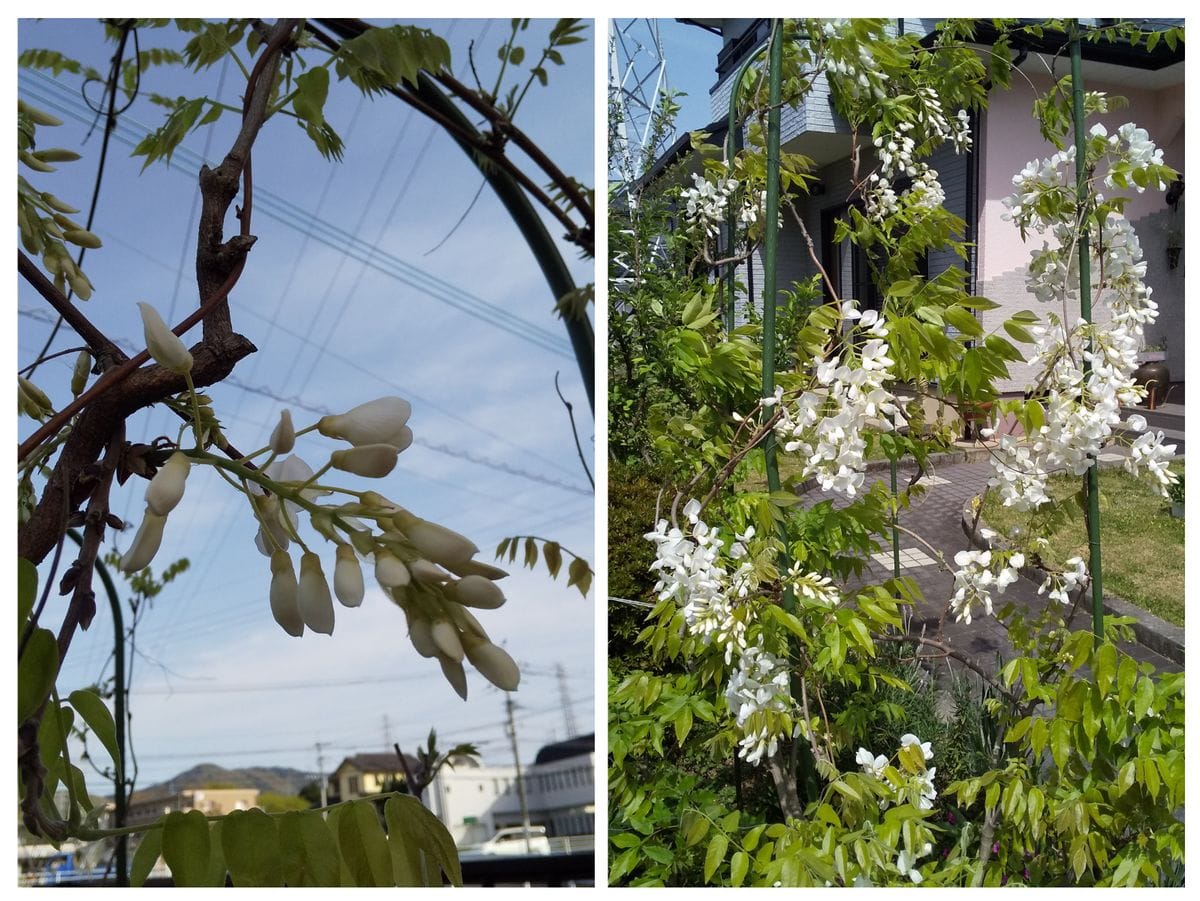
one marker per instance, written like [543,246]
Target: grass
[1141,545]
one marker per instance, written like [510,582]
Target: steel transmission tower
[637,83]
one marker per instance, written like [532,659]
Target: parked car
[511,842]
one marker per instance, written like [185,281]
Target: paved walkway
[937,518]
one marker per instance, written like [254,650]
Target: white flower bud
[372,461]
[145,543]
[379,421]
[438,543]
[283,438]
[493,663]
[475,568]
[164,345]
[421,636]
[427,573]
[79,375]
[465,621]
[347,577]
[390,570]
[165,490]
[316,604]
[285,605]
[455,675]
[445,637]
[476,591]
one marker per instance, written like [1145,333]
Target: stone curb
[1150,631]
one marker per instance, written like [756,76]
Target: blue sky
[216,679]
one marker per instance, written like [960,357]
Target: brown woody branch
[125,389]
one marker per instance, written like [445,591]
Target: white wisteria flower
[162,343]
[380,421]
[145,543]
[165,490]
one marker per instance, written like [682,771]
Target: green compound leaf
[364,846]
[186,847]
[98,718]
[309,851]
[250,840]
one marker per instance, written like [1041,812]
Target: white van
[511,842]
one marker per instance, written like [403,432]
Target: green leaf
[1105,667]
[96,714]
[738,864]
[531,553]
[411,825]
[309,850]
[35,673]
[696,827]
[715,855]
[250,840]
[145,856]
[553,554]
[27,581]
[364,846]
[1018,331]
[963,320]
[683,725]
[580,575]
[216,855]
[312,88]
[516,55]
[185,847]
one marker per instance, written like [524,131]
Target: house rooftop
[572,747]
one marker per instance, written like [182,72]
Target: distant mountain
[280,779]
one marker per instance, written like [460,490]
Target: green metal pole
[1085,310]
[770,253]
[895,520]
[119,800]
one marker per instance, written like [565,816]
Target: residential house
[1005,137]
[370,774]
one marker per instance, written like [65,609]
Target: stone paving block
[937,518]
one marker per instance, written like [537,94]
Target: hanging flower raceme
[1083,370]
[826,424]
[163,495]
[425,568]
[981,574]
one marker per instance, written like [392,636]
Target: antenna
[637,82]
[564,698]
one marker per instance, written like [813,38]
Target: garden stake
[770,251]
[1092,483]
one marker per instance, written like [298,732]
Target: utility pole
[321,775]
[387,731]
[565,700]
[511,729]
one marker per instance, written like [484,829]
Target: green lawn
[1141,545]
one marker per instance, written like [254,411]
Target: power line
[299,219]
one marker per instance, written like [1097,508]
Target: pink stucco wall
[1011,139]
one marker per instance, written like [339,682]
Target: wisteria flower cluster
[1083,404]
[979,575]
[825,426]
[718,611]
[896,152]
[426,569]
[913,779]
[706,204]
